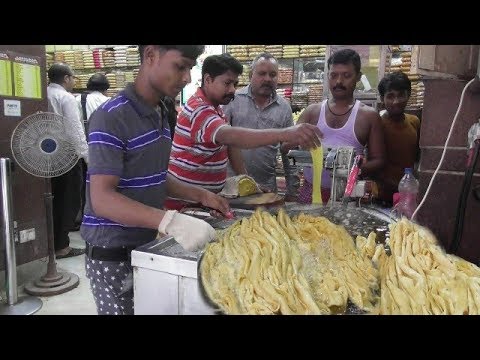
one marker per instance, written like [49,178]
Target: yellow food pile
[419,277]
[304,265]
[296,115]
[317,160]
[246,186]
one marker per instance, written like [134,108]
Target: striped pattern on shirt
[195,158]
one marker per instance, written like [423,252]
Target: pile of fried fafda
[269,264]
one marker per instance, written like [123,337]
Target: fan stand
[53,282]
[42,146]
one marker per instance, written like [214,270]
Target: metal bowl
[216,309]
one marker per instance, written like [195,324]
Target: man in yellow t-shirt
[401,132]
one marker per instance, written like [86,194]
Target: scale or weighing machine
[165,275]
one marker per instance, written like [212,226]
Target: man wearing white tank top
[344,122]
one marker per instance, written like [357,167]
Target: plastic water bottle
[408,189]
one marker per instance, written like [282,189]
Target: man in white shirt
[88,102]
[66,188]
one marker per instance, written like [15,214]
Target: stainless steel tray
[167,246]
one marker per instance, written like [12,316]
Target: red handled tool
[353,176]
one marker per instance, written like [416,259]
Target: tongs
[206,212]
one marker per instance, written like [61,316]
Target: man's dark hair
[189,51]
[345,56]
[295,108]
[57,72]
[98,82]
[265,56]
[216,65]
[395,81]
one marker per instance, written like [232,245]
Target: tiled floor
[78,301]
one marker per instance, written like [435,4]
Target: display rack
[119,63]
[301,69]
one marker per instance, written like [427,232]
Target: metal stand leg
[25,305]
[53,282]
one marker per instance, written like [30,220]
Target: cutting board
[251,202]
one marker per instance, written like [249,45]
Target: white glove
[190,232]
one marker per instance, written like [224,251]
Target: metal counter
[165,280]
[165,275]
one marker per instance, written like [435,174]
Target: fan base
[46,287]
[26,305]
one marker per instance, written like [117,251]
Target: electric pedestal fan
[42,146]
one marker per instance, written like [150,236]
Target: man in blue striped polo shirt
[129,148]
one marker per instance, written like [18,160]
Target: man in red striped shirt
[199,152]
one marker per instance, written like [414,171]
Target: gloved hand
[190,232]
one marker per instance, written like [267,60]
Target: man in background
[205,142]
[88,102]
[171,114]
[257,106]
[401,133]
[344,121]
[95,95]
[66,188]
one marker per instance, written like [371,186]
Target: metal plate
[203,292]
[219,223]
[252,202]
